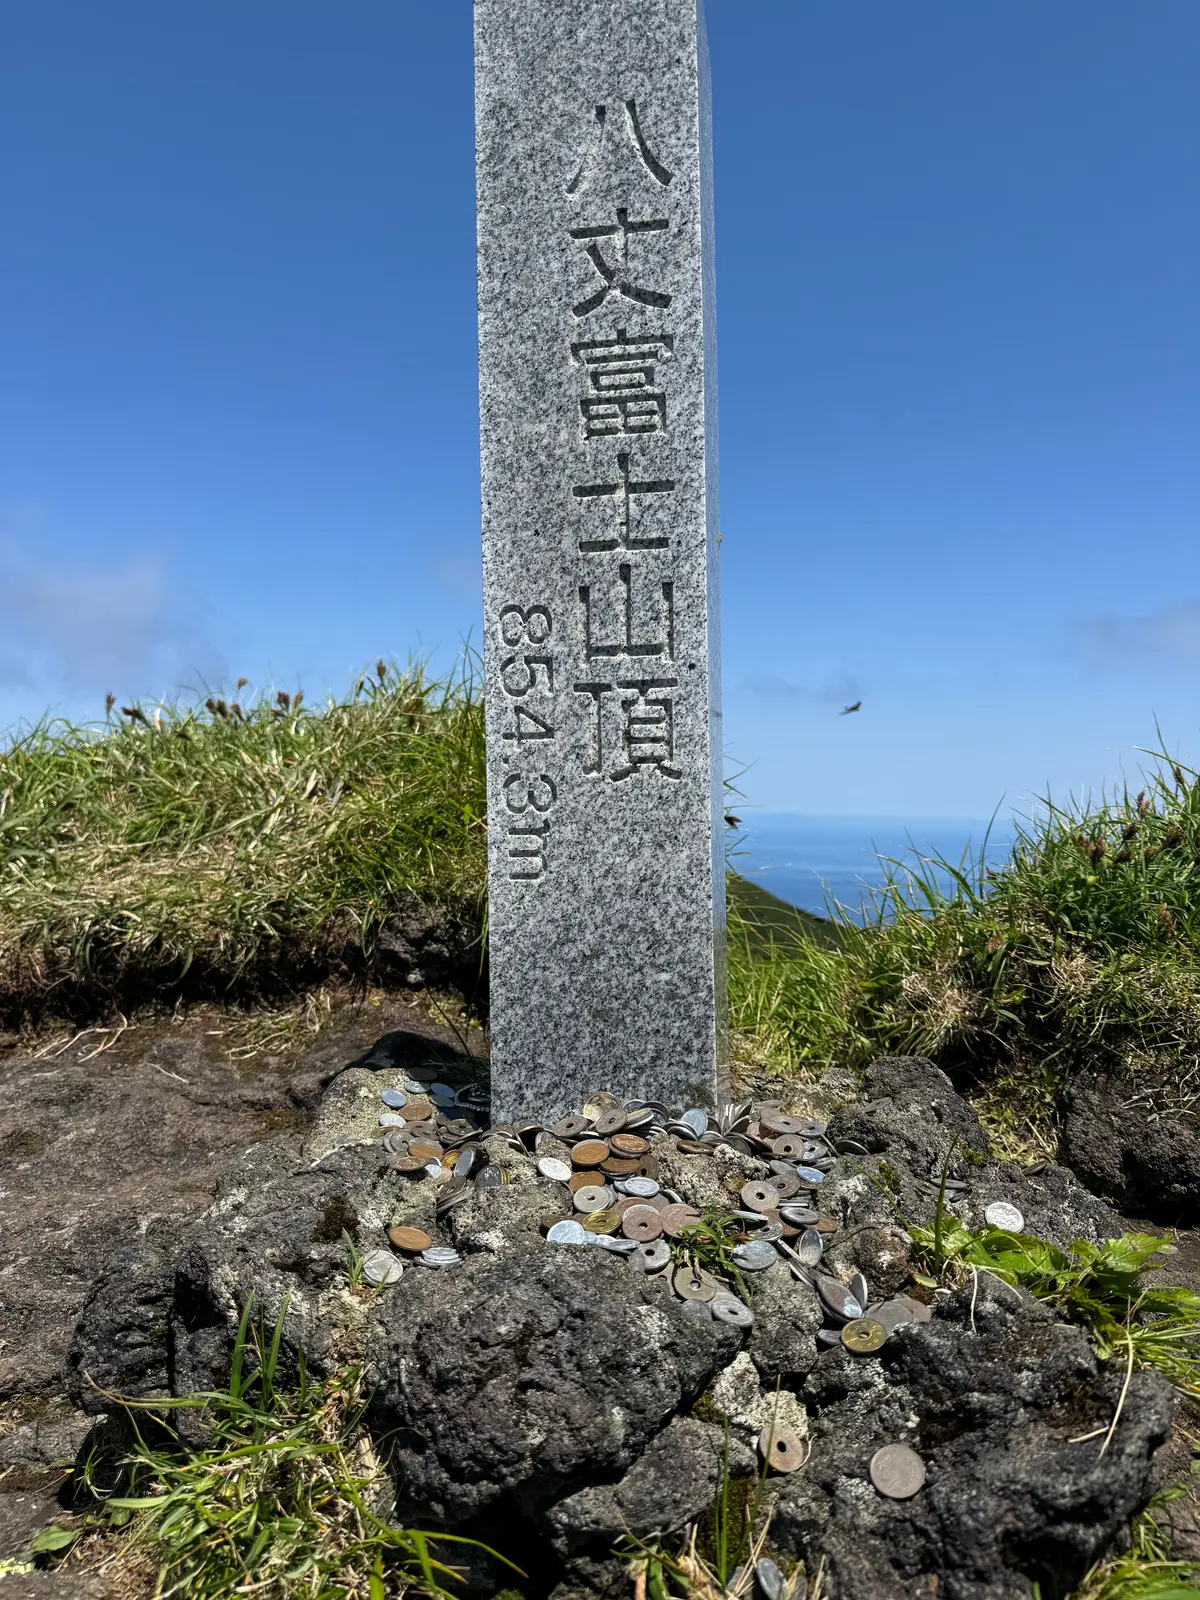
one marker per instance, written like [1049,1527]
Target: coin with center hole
[781,1448]
[590,1153]
[785,1185]
[406,1164]
[552,1167]
[693,1283]
[601,1221]
[864,1336]
[1003,1214]
[594,1197]
[728,1308]
[758,1196]
[411,1239]
[380,1267]
[897,1472]
[621,1166]
[777,1122]
[608,1122]
[788,1145]
[652,1256]
[571,1127]
[642,1223]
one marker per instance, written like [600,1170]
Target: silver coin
[395,1143]
[771,1230]
[851,1147]
[489,1177]
[465,1164]
[435,1169]
[1003,1214]
[897,1472]
[812,1130]
[892,1314]
[393,1098]
[770,1580]
[411,1086]
[652,1256]
[810,1176]
[814,1150]
[381,1266]
[728,1308]
[811,1247]
[642,1187]
[799,1216]
[829,1336]
[391,1119]
[552,1167]
[443,1089]
[439,1256]
[859,1288]
[695,1119]
[755,1256]
[567,1232]
[617,1245]
[837,1299]
[593,1197]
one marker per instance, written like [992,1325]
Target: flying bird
[845,712]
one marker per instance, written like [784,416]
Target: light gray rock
[598,430]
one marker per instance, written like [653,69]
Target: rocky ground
[545,1397]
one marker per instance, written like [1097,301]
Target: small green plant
[286,1499]
[1145,1571]
[1098,1285]
[354,1262]
[708,1245]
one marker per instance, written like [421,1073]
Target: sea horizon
[811,860]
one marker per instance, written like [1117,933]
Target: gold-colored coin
[864,1336]
[601,1222]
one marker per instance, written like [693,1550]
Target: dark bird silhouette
[733,822]
[845,712]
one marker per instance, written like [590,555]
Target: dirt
[105,1132]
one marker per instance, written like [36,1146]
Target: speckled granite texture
[598,428]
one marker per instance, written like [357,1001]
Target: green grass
[1145,1571]
[1083,950]
[287,1498]
[232,848]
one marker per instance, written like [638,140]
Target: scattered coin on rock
[781,1448]
[693,1283]
[594,1197]
[642,1223]
[440,1256]
[568,1232]
[380,1267]
[608,1122]
[1003,1214]
[391,1119]
[618,1246]
[770,1581]
[552,1167]
[629,1144]
[590,1153]
[571,1127]
[728,1308]
[810,1176]
[643,1188]
[411,1239]
[864,1336]
[859,1288]
[897,1472]
[755,1256]
[652,1256]
[677,1218]
[406,1164]
[810,1248]
[758,1196]
[837,1299]
[489,1177]
[601,1221]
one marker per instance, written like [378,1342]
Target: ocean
[808,860]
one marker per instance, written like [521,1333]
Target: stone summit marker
[598,431]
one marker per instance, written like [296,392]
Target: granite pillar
[599,465]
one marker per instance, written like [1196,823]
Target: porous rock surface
[548,1392]
[1123,1145]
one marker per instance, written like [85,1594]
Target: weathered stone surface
[991,1392]
[666,1488]
[1145,1161]
[122,1338]
[787,1315]
[530,1378]
[598,432]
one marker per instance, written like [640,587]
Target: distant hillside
[771,920]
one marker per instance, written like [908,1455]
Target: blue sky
[958,250]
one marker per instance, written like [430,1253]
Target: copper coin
[629,1144]
[693,1283]
[608,1122]
[693,1147]
[757,1196]
[571,1127]
[427,1152]
[601,1222]
[825,1225]
[781,1448]
[648,1167]
[418,1109]
[590,1153]
[676,1218]
[788,1144]
[580,1180]
[622,1166]
[642,1223]
[409,1238]
[776,1122]
[406,1164]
